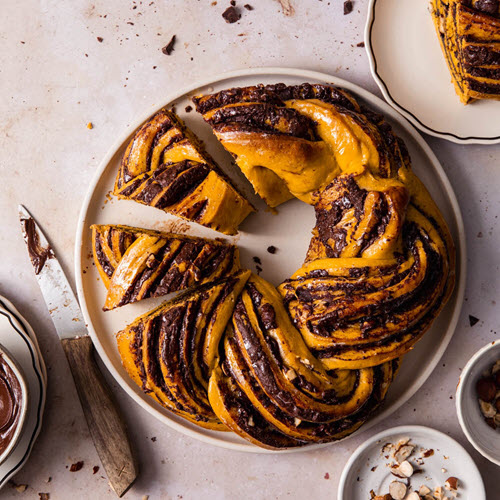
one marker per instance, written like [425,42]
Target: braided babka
[311,360]
[469,33]
[171,351]
[165,166]
[136,264]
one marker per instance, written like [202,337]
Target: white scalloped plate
[408,65]
[289,231]
[19,338]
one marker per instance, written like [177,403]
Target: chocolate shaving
[100,39]
[76,467]
[231,15]
[473,320]
[168,49]
[272,249]
[360,44]
[95,469]
[347,7]
[248,7]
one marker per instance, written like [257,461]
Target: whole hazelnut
[486,389]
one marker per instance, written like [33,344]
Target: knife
[105,423]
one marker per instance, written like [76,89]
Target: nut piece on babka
[293,140]
[171,351]
[136,264]
[469,33]
[166,166]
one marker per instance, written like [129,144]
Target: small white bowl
[13,365]
[367,468]
[485,439]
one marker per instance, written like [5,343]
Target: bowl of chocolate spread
[13,403]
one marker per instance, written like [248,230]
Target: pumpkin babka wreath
[311,360]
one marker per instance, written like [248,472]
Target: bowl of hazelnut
[478,401]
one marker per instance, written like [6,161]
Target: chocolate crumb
[259,269]
[373,469]
[348,7]
[233,3]
[44,496]
[100,39]
[272,249]
[231,15]
[76,467]
[188,109]
[360,44]
[248,7]
[95,469]
[49,479]
[257,260]
[327,476]
[153,439]
[473,320]
[167,50]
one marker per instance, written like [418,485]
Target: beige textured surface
[50,90]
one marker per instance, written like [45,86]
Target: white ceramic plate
[409,67]
[20,340]
[290,232]
[366,469]
[478,432]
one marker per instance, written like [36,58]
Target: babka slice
[271,390]
[165,166]
[294,140]
[469,32]
[171,351]
[136,264]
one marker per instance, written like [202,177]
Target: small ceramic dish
[22,405]
[485,439]
[368,470]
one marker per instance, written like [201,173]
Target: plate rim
[401,429]
[8,309]
[449,136]
[307,75]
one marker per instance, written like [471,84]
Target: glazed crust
[137,264]
[170,351]
[165,166]
[469,33]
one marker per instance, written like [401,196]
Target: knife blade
[105,423]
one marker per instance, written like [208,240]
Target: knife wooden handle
[106,425]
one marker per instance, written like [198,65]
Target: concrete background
[55,77]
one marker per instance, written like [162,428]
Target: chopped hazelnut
[451,483]
[397,490]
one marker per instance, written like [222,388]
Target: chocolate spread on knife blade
[38,254]
[10,404]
